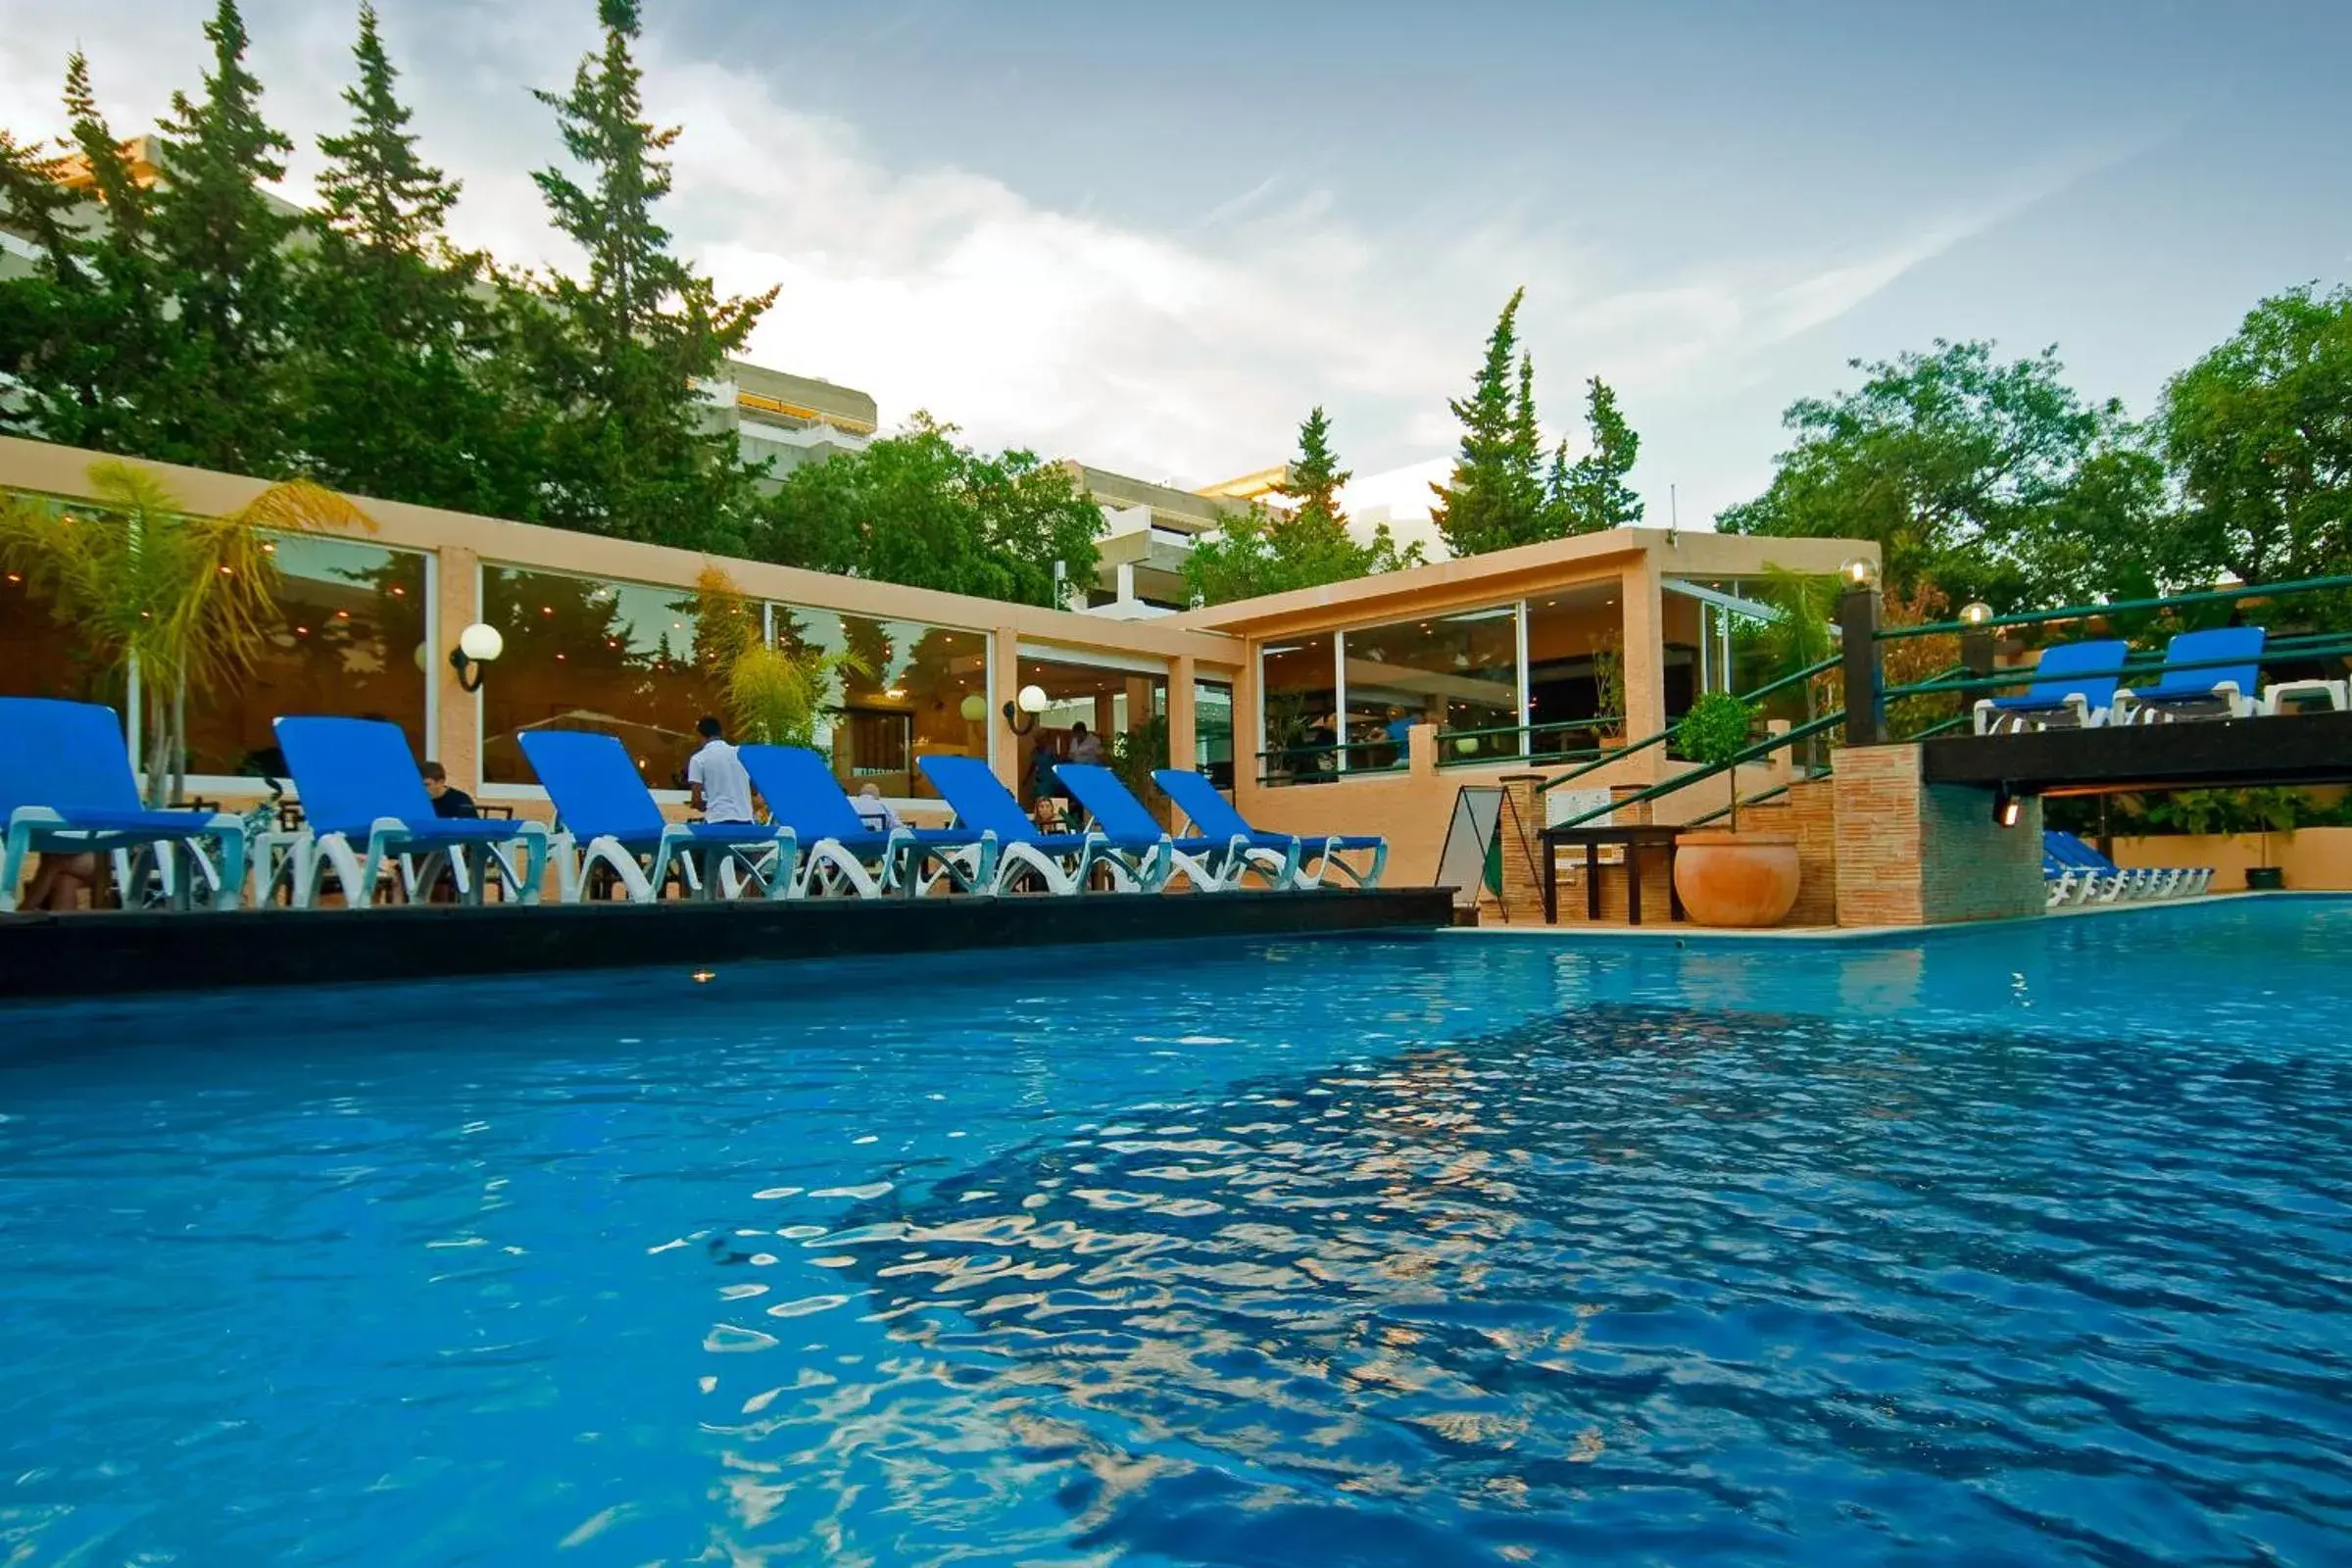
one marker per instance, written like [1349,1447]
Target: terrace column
[1181,719]
[457,605]
[1005,684]
[1644,632]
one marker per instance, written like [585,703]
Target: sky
[1153,238]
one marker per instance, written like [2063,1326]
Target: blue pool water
[2033,1245]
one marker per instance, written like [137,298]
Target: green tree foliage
[186,601]
[919,508]
[397,325]
[621,347]
[2260,432]
[84,339]
[1494,499]
[1990,481]
[1591,495]
[1303,545]
[218,245]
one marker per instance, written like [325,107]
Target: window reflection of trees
[586,655]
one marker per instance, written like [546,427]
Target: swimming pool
[2028,1245]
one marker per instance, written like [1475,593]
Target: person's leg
[61,881]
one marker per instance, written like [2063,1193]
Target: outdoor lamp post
[1975,643]
[1026,707]
[478,646]
[1858,629]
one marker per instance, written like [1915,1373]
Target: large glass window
[1213,730]
[1459,672]
[911,691]
[1299,696]
[583,654]
[40,656]
[1125,712]
[1575,695]
[351,640]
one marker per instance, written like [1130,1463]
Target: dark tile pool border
[117,954]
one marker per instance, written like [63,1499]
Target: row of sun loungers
[66,787]
[2074,872]
[2206,674]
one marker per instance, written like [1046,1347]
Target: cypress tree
[218,244]
[397,328]
[1591,494]
[1486,504]
[628,340]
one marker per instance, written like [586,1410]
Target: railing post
[1865,679]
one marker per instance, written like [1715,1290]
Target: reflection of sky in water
[2015,1246]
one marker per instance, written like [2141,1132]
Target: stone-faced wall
[1913,854]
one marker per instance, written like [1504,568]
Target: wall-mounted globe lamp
[1021,713]
[478,646]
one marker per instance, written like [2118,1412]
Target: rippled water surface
[2027,1245]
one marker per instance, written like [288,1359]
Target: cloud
[1188,352]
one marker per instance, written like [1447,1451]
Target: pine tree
[1311,536]
[396,396]
[633,459]
[85,338]
[218,244]
[1487,504]
[1591,494]
[1262,550]
[1527,456]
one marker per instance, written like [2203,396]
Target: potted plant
[1729,878]
[1608,691]
[2274,809]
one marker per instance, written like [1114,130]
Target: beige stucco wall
[2316,860]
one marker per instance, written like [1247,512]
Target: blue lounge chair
[357,784]
[1210,865]
[844,853]
[2137,882]
[67,788]
[2074,683]
[1285,860]
[1066,863]
[2223,679]
[605,816]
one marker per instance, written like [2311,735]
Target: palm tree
[774,692]
[174,604]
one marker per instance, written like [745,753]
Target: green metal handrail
[1757,799]
[2211,595]
[1796,678]
[1597,722]
[1762,749]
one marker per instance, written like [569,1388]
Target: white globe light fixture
[1861,574]
[1975,613]
[1021,713]
[478,645]
[976,708]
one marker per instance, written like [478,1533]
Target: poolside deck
[111,953]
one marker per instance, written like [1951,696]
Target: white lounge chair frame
[707,869]
[392,847]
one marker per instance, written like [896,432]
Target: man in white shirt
[1085,745]
[874,811]
[714,777]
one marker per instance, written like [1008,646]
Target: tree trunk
[179,741]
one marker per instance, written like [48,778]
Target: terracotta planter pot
[1737,879]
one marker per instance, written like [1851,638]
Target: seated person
[60,880]
[447,802]
[874,811]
